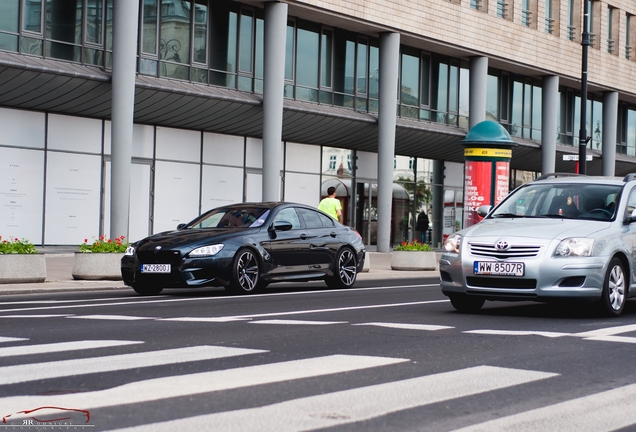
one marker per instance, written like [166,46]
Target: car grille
[501,282]
[159,257]
[515,251]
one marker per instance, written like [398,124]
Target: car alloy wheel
[345,271]
[613,296]
[245,272]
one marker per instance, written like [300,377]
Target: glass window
[362,71]
[9,10]
[200,40]
[517,109]
[149,27]
[326,59]
[62,25]
[442,93]
[289,52]
[630,138]
[537,100]
[492,98]
[410,80]
[307,55]
[94,21]
[32,20]
[246,42]
[288,215]
[597,125]
[374,71]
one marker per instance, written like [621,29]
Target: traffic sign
[576,157]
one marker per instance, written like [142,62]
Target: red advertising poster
[502,182]
[477,188]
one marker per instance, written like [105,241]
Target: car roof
[557,178]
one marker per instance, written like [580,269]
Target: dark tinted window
[243,217]
[315,219]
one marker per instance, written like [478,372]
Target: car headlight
[452,243]
[580,247]
[206,250]
[130,250]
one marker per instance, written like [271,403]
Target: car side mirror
[281,226]
[484,210]
[181,226]
[632,217]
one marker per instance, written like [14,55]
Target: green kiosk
[487,154]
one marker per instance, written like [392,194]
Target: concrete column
[387,102]
[610,114]
[478,86]
[549,113]
[273,87]
[125,19]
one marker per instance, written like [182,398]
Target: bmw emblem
[158,247]
[502,245]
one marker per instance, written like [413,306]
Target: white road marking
[204,319]
[312,311]
[297,322]
[48,302]
[38,371]
[62,346]
[134,301]
[36,316]
[356,405]
[518,333]
[112,317]
[186,385]
[606,411]
[11,339]
[427,327]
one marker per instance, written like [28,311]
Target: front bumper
[185,273]
[545,278]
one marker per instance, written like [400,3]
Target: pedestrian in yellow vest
[331,205]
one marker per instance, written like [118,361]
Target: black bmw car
[244,247]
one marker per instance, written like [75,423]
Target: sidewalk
[59,266]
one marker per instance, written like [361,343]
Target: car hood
[192,238]
[544,229]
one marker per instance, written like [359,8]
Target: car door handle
[304,237]
[333,234]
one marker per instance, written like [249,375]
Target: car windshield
[235,217]
[573,201]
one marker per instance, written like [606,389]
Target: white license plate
[155,268]
[498,268]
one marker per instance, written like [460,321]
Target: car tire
[345,270]
[246,272]
[614,293]
[464,303]
[147,290]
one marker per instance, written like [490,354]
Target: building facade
[260,100]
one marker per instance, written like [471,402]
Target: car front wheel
[464,303]
[245,272]
[345,270]
[612,300]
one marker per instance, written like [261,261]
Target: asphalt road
[388,355]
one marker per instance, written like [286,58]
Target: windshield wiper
[558,216]
[507,215]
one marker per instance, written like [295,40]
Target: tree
[424,194]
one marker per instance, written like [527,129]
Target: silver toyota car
[560,237]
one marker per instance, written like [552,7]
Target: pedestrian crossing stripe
[112,317]
[186,385]
[39,371]
[11,339]
[605,411]
[427,327]
[62,347]
[297,322]
[356,405]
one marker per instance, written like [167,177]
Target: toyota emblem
[502,245]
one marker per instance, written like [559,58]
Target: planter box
[97,266]
[22,268]
[413,260]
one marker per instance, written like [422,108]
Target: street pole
[585,43]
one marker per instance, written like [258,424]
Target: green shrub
[16,246]
[105,245]
[413,246]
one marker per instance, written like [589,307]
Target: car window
[237,217]
[288,215]
[576,200]
[315,219]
